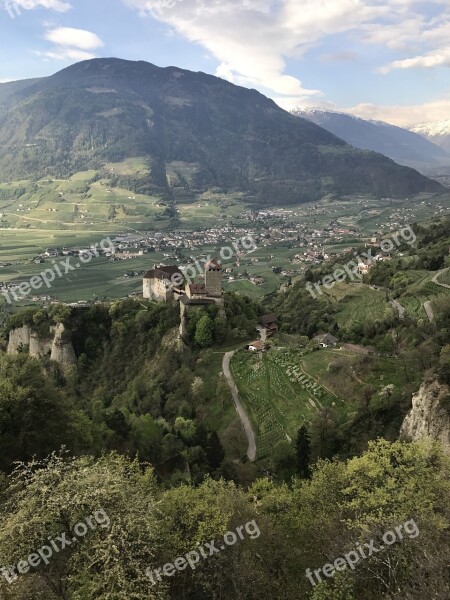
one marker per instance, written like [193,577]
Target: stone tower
[213,278]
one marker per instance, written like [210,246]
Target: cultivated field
[278,395]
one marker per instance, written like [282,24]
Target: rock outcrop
[57,344]
[62,350]
[428,417]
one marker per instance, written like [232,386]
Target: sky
[377,59]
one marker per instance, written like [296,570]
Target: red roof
[213,265]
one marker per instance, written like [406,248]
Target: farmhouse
[269,322]
[256,346]
[326,340]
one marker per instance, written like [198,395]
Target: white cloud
[75,38]
[440,58]
[71,44]
[72,54]
[225,71]
[57,5]
[253,40]
[403,116]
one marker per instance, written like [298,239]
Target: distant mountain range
[438,133]
[404,146]
[197,131]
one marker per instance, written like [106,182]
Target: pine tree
[303,453]
[215,451]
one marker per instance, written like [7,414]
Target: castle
[167,284]
[159,284]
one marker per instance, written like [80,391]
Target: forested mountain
[403,146]
[197,131]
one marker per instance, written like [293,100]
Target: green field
[278,395]
[357,303]
[285,388]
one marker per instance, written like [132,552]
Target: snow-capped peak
[431,129]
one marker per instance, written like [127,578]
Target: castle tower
[213,278]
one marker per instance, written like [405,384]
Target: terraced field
[357,303]
[278,395]
[422,290]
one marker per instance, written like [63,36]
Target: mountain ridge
[198,132]
[401,145]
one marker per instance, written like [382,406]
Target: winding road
[251,451]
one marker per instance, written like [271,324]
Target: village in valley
[288,241]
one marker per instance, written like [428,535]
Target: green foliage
[303,453]
[204,332]
[34,417]
[294,528]
[51,497]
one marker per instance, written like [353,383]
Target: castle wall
[156,289]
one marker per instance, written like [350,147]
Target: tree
[214,451]
[303,453]
[51,497]
[35,417]
[220,329]
[204,332]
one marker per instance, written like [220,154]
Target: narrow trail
[251,451]
[399,308]
[435,279]
[428,305]
[429,310]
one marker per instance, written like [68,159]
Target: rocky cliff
[57,344]
[428,417]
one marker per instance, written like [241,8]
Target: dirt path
[429,310]
[251,451]
[399,308]
[435,279]
[318,381]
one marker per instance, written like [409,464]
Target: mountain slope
[403,146]
[197,131]
[438,133]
